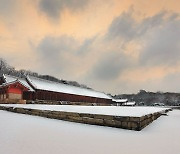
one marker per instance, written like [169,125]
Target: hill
[149,98]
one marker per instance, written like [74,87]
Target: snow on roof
[13,82]
[9,79]
[120,100]
[42,84]
[130,103]
[8,83]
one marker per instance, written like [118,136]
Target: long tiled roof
[42,84]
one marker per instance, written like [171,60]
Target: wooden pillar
[30,95]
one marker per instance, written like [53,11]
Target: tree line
[5,68]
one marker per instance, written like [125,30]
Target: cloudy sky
[115,46]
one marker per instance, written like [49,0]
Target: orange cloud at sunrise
[115,46]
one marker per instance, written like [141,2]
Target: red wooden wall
[15,90]
[48,95]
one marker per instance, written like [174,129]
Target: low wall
[66,103]
[132,123]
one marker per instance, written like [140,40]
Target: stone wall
[131,123]
[66,103]
[12,101]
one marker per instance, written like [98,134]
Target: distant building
[129,103]
[120,102]
[158,104]
[14,89]
[12,92]
[124,102]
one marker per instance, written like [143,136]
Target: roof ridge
[12,76]
[62,83]
[41,79]
[23,84]
[89,92]
[30,82]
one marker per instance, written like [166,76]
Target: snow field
[21,134]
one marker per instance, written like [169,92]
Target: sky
[114,46]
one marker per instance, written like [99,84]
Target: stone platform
[125,122]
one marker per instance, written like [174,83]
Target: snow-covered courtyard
[25,134]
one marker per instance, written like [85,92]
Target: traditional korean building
[33,88]
[12,92]
[123,102]
[120,102]
[133,103]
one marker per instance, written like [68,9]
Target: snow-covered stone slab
[102,110]
[133,118]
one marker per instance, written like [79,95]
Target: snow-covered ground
[25,134]
[104,110]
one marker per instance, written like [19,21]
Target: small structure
[129,103]
[123,102]
[120,102]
